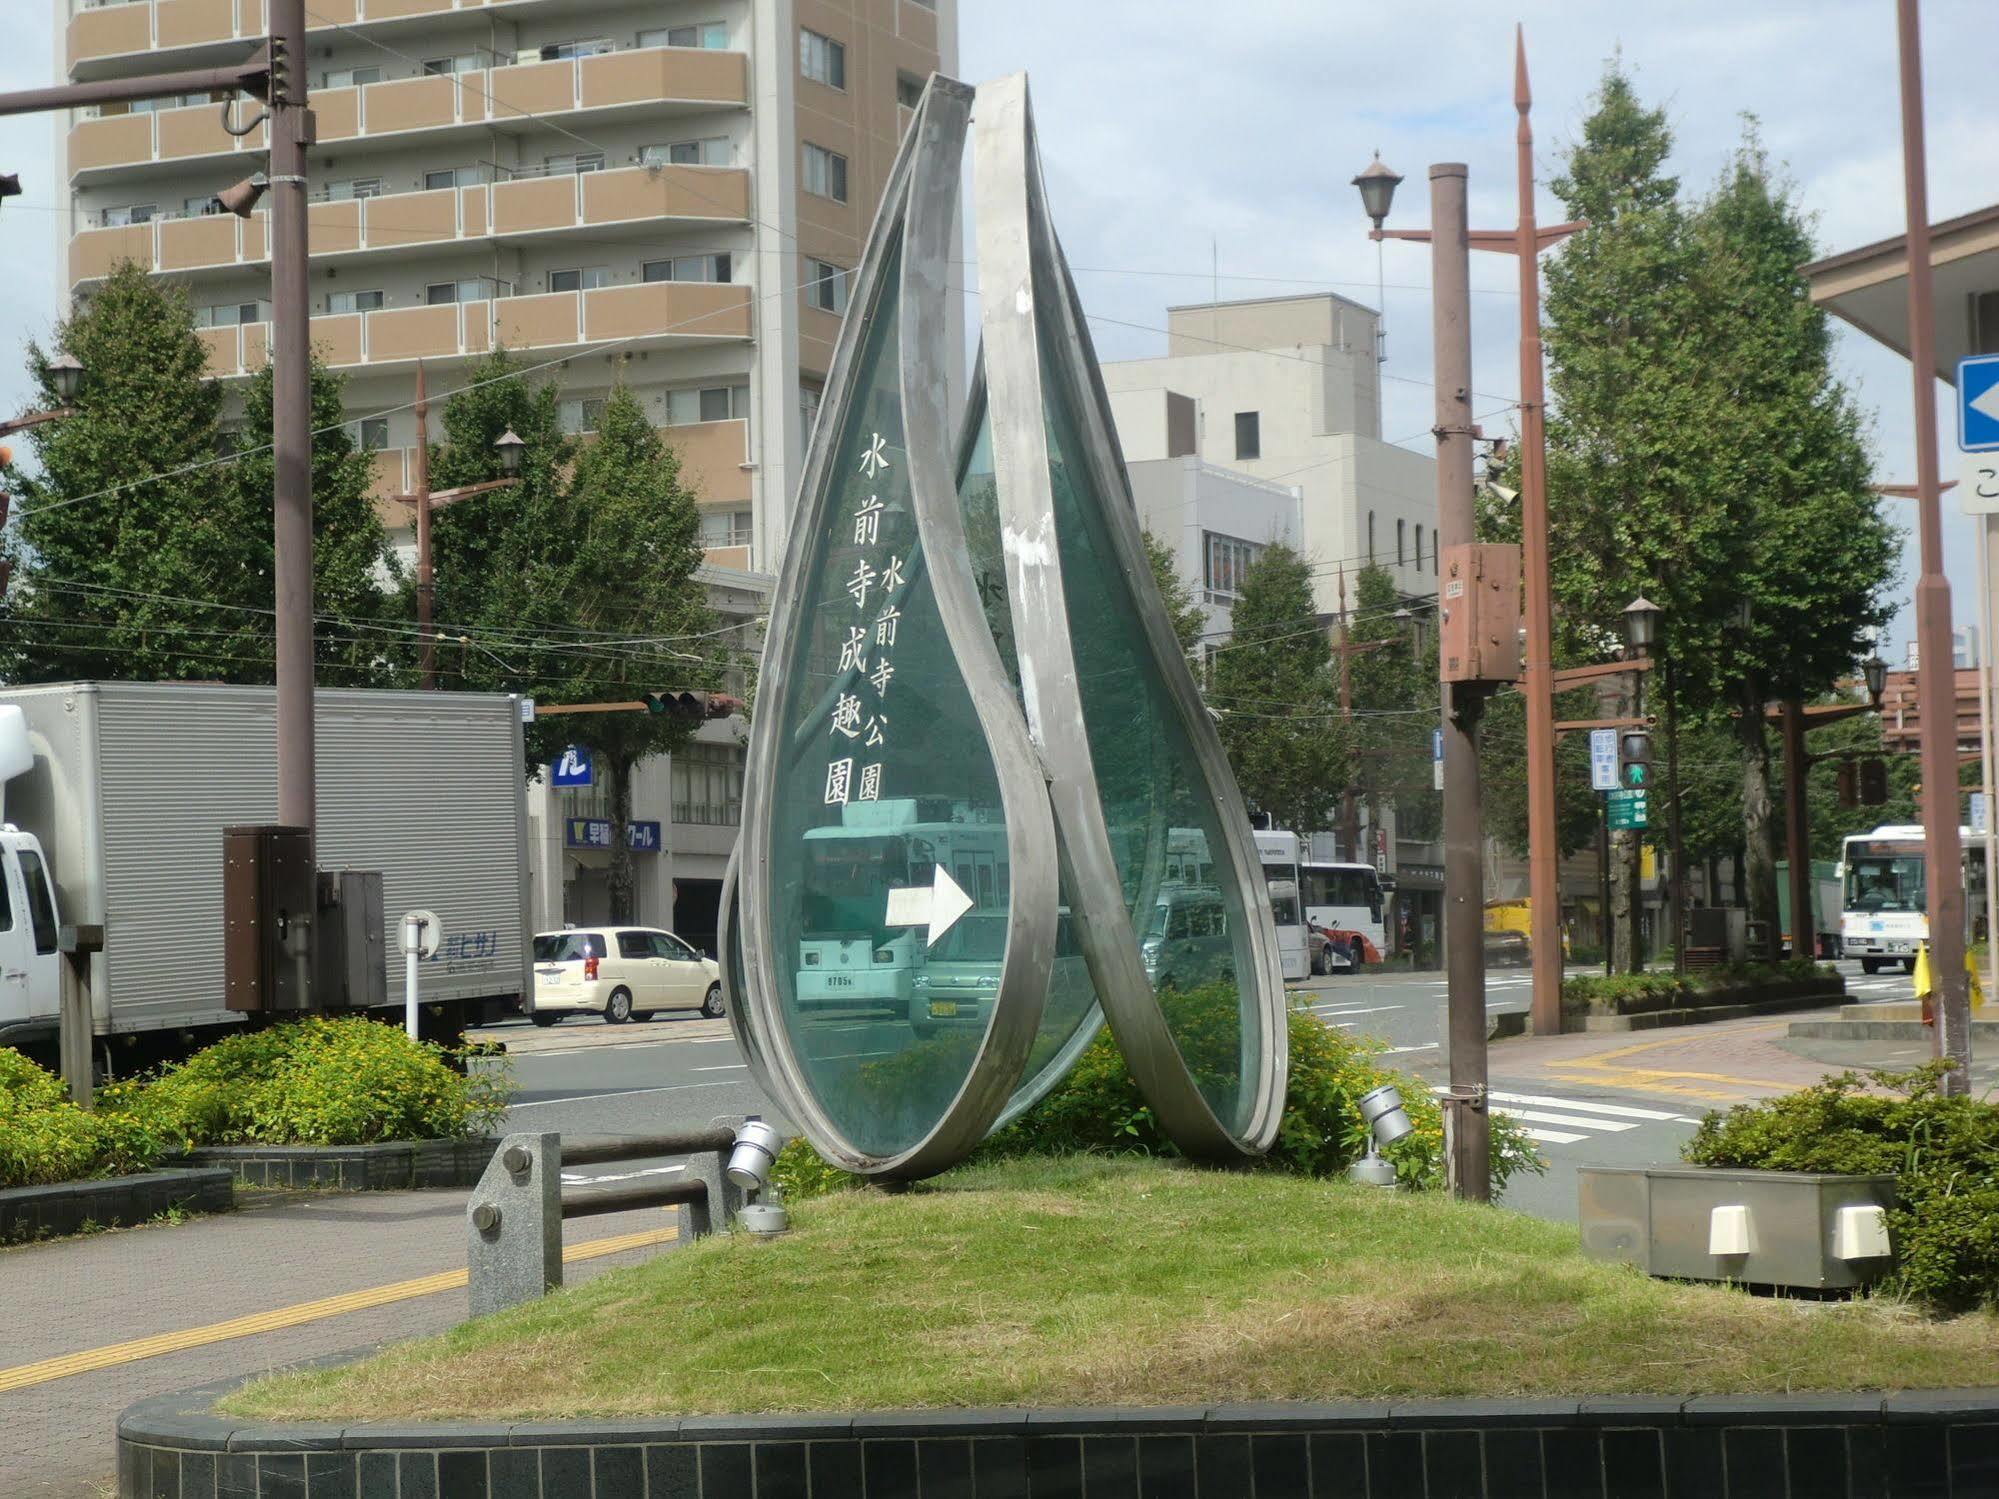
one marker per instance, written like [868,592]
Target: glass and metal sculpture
[985,811]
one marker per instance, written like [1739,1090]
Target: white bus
[1278,852]
[1345,901]
[848,956]
[1884,895]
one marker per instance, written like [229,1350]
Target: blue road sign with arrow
[1978,403]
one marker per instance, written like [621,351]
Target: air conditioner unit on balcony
[528,54]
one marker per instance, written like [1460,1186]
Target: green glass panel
[1164,822]
[1072,998]
[883,784]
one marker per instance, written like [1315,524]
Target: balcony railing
[503,98]
[665,311]
[712,464]
[401,221]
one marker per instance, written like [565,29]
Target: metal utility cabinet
[1766,1228]
[132,785]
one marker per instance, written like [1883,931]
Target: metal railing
[514,1220]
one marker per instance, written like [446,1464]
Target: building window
[562,166]
[1401,555]
[131,213]
[451,177]
[1419,546]
[710,34]
[353,301]
[708,785]
[228,315]
[687,268]
[581,415]
[809,397]
[349,77]
[563,51]
[1248,439]
[446,66]
[825,286]
[822,59]
[1370,538]
[725,528]
[709,151]
[825,173]
[908,90]
[710,403]
[442,293]
[1227,559]
[353,187]
[585,278]
[1433,552]
[370,434]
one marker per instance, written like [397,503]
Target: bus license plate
[839,981]
[943,1009]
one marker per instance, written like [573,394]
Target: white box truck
[113,799]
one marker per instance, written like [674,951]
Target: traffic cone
[1922,982]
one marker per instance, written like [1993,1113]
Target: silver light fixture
[1387,1121]
[757,1145]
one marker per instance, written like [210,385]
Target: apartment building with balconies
[672,194]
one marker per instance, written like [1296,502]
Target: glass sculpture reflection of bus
[959,977]
[849,956]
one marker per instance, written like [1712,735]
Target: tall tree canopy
[579,583]
[1272,682]
[1395,702]
[144,548]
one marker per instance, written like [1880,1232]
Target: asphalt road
[675,1071]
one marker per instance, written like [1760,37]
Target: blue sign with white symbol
[573,768]
[1603,759]
[1978,403]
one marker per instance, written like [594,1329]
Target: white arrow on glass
[938,907]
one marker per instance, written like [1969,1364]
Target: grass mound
[1102,1282]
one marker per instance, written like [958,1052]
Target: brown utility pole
[1347,648]
[291,130]
[1935,679]
[423,501]
[1797,829]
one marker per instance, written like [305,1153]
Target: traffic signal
[694,705]
[1873,782]
[1635,751]
[1849,784]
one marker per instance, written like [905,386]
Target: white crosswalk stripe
[1566,1121]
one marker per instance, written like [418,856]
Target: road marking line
[577,1179]
[1552,1136]
[723,1067]
[1620,1110]
[543,1103]
[1615,1126]
[91,1360]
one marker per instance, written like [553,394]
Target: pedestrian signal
[1873,782]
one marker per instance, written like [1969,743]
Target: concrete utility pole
[1463,702]
[291,412]
[1936,687]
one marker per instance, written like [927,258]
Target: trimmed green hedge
[1642,993]
[312,1081]
[1098,1110]
[1943,1153]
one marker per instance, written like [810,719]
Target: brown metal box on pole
[1478,608]
[268,894]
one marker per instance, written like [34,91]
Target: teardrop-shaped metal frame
[1022,269]
[919,206]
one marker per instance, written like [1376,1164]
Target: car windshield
[847,882]
[973,939]
[568,947]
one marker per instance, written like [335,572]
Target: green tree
[1189,619]
[144,550]
[1272,682]
[580,582]
[1395,701]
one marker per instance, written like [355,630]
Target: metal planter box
[1772,1228]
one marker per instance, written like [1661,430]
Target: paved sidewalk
[94,1293]
[1713,1066]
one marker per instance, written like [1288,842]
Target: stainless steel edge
[1107,459]
[1005,244]
[814,498]
[728,946]
[1028,959]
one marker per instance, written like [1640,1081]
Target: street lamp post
[509,447]
[65,374]
[1524,241]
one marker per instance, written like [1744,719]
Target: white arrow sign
[938,908]
[1986,402]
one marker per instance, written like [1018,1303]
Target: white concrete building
[1288,390]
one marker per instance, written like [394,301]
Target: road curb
[44,1212]
[1861,1445]
[1652,1020]
[389,1166]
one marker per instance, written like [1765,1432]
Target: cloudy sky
[1182,137]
